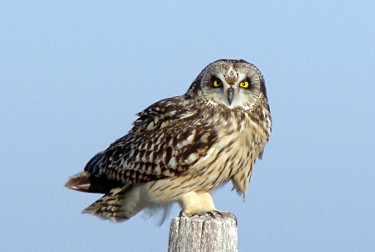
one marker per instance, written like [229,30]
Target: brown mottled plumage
[182,148]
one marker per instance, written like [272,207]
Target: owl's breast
[239,145]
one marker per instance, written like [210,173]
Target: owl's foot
[225,215]
[201,204]
[219,214]
[213,214]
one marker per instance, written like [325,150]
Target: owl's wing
[167,139]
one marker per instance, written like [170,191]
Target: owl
[181,149]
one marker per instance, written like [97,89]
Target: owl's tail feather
[87,182]
[79,182]
[119,204]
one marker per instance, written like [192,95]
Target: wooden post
[203,233]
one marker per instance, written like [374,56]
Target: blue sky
[74,73]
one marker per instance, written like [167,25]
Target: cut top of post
[203,233]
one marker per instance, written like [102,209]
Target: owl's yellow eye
[244,84]
[217,83]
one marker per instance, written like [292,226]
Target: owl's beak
[230,95]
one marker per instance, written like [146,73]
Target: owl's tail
[91,180]
[120,203]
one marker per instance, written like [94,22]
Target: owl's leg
[190,204]
[193,203]
[207,203]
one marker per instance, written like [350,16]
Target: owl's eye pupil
[217,83]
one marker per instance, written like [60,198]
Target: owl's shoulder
[165,113]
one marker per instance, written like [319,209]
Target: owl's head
[230,83]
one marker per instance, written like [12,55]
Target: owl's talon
[211,214]
[219,213]
[234,218]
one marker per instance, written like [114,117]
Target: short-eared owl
[182,148]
